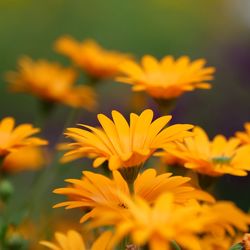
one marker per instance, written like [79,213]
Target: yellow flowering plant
[128,198]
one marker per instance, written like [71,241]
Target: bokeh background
[218,30]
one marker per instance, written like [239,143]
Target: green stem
[47,175]
[166,106]
[207,182]
[174,245]
[130,174]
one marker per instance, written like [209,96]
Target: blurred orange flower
[27,158]
[91,57]
[217,157]
[13,139]
[160,223]
[73,240]
[166,79]
[51,82]
[124,145]
[244,136]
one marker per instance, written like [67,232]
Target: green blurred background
[218,30]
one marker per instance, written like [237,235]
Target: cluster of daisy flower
[125,203]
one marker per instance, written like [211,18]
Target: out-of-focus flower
[169,159]
[12,139]
[244,136]
[156,225]
[72,240]
[51,82]
[188,224]
[96,190]
[124,145]
[168,78]
[227,219]
[217,157]
[214,242]
[27,158]
[91,57]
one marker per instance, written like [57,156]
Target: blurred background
[218,30]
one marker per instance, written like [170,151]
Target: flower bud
[6,190]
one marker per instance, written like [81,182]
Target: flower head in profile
[96,190]
[124,145]
[14,138]
[166,79]
[244,136]
[72,240]
[216,157]
[27,158]
[91,57]
[51,82]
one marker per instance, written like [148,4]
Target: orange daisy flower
[244,136]
[27,158]
[72,240]
[96,190]
[91,57]
[160,224]
[124,145]
[50,82]
[216,157]
[13,139]
[166,79]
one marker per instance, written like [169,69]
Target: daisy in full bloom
[12,139]
[72,240]
[216,157]
[51,82]
[27,158]
[157,225]
[91,57]
[166,79]
[96,190]
[124,145]
[244,136]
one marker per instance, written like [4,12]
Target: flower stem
[174,245]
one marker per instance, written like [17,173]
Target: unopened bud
[6,190]
[16,242]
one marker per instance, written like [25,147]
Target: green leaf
[174,245]
[237,246]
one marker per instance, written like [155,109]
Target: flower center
[221,159]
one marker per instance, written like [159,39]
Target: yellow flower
[217,157]
[28,158]
[122,144]
[227,219]
[156,225]
[213,242]
[13,139]
[72,240]
[91,57]
[188,224]
[96,190]
[166,79]
[50,82]
[244,136]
